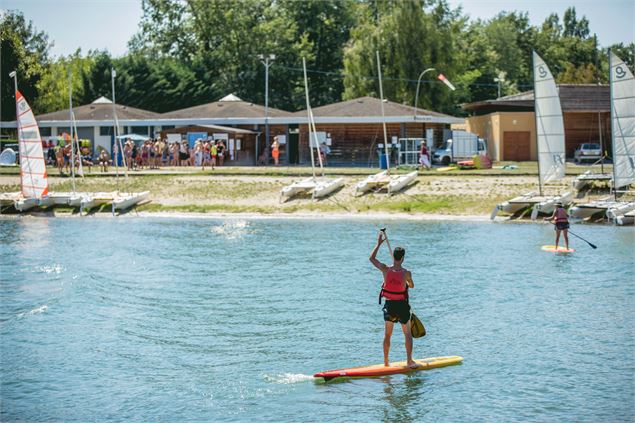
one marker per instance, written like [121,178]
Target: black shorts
[562,225]
[397,311]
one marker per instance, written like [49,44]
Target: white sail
[33,168]
[622,122]
[549,124]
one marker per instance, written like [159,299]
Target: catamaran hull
[549,205]
[325,187]
[626,219]
[125,201]
[306,185]
[375,181]
[400,182]
[618,210]
[24,204]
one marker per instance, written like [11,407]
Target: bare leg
[408,336]
[566,238]
[557,237]
[387,334]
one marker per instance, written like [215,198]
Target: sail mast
[536,122]
[309,115]
[383,115]
[70,124]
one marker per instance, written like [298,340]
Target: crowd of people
[150,154]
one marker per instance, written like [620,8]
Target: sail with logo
[549,124]
[622,122]
[623,132]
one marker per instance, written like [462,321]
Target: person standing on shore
[213,152]
[560,218]
[275,151]
[394,289]
[424,157]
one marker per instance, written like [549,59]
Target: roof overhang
[247,121]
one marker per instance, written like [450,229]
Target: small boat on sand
[123,201]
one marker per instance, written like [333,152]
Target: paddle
[383,230]
[578,236]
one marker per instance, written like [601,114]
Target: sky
[109,24]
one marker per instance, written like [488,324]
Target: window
[139,130]
[45,132]
[105,131]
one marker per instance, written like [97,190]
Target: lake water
[151,319]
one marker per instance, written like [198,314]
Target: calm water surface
[138,319]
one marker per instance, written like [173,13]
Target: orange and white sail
[32,165]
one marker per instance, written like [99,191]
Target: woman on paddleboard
[560,218]
[397,280]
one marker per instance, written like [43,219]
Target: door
[293,142]
[516,146]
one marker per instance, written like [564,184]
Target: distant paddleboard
[560,249]
[394,368]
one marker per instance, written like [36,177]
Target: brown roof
[99,111]
[368,106]
[573,98]
[225,110]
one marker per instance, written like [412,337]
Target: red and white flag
[443,79]
[32,165]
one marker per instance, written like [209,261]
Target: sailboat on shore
[33,176]
[549,144]
[383,179]
[318,187]
[622,84]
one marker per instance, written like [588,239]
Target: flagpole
[70,125]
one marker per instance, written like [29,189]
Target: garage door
[516,146]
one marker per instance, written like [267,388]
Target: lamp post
[500,78]
[266,60]
[417,95]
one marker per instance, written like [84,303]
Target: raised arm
[409,280]
[373,256]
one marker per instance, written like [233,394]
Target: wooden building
[509,125]
[354,130]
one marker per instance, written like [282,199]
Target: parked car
[587,151]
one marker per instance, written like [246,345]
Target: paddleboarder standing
[396,281]
[561,219]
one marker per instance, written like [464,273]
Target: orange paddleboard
[394,368]
[560,249]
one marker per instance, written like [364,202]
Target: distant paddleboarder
[561,219]
[397,280]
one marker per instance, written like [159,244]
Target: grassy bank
[257,190]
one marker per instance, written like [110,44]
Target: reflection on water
[226,320]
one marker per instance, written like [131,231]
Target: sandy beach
[256,192]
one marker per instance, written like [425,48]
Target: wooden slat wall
[355,144]
[583,127]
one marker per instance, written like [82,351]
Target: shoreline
[264,216]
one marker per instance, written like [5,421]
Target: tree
[25,50]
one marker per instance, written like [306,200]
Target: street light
[266,60]
[500,78]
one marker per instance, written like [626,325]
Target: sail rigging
[549,124]
[622,121]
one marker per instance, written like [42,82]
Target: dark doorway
[293,144]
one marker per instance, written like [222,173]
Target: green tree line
[190,52]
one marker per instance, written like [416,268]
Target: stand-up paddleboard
[560,249]
[394,368]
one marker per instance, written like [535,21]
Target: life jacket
[561,215]
[395,287]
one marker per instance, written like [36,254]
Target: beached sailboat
[318,187]
[622,84]
[383,179]
[33,176]
[549,143]
[623,132]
